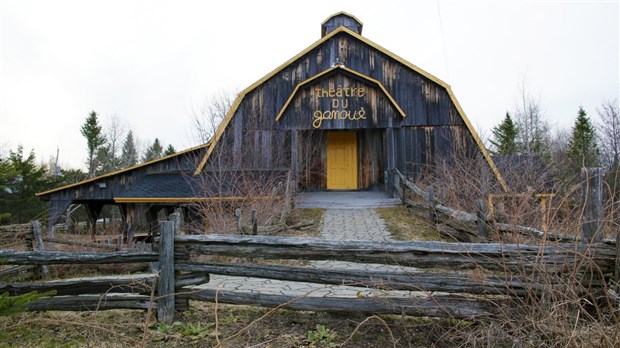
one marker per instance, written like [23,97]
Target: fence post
[592,204]
[176,218]
[432,203]
[254,223]
[165,285]
[38,241]
[238,216]
[481,214]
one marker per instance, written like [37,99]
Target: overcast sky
[151,63]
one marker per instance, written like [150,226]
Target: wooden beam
[410,281]
[165,283]
[592,204]
[458,307]
[492,256]
[135,283]
[58,257]
[91,303]
[38,240]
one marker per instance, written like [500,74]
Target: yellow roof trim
[120,171]
[350,71]
[184,199]
[242,94]
[381,49]
[474,134]
[342,13]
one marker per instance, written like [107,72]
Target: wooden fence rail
[422,254]
[457,280]
[464,226]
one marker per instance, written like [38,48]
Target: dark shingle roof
[187,185]
[166,185]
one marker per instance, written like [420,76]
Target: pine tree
[582,148]
[10,305]
[154,151]
[170,150]
[105,161]
[129,154]
[91,130]
[7,177]
[19,184]
[505,137]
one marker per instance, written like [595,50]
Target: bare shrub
[567,306]
[242,172]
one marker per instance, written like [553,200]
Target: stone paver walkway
[337,224]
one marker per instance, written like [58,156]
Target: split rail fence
[457,280]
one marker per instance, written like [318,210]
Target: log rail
[456,280]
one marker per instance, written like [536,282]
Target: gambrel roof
[345,31]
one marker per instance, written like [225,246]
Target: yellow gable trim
[242,94]
[483,149]
[350,71]
[342,29]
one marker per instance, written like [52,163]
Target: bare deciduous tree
[233,177]
[533,129]
[208,117]
[609,132]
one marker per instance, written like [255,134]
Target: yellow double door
[342,161]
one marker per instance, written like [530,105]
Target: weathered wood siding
[431,129]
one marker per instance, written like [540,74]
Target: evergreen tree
[91,130]
[71,176]
[582,148]
[505,137]
[10,305]
[105,161]
[154,151]
[19,184]
[129,154]
[7,176]
[170,150]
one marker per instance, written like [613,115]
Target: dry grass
[403,225]
[557,319]
[196,328]
[299,216]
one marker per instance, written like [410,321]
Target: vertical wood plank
[165,285]
[592,204]
[38,238]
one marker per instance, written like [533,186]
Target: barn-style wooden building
[340,115]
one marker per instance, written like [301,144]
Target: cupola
[341,19]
